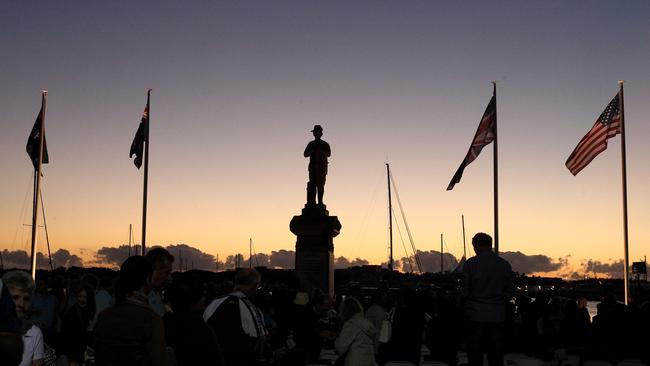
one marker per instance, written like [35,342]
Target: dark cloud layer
[60,258]
[614,269]
[342,262]
[537,263]
[188,257]
[113,256]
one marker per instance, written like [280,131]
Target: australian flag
[34,142]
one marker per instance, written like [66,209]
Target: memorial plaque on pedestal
[315,231]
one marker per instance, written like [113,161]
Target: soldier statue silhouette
[318,151]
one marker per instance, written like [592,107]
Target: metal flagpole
[37,187]
[496,173]
[390,221]
[624,174]
[146,175]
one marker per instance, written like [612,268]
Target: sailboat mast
[462,217]
[441,254]
[130,234]
[390,221]
[250,253]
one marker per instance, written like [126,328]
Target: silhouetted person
[193,341]
[74,326]
[130,333]
[238,323]
[21,288]
[487,286]
[318,151]
[408,321]
[355,340]
[161,262]
[11,343]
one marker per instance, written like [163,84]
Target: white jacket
[356,339]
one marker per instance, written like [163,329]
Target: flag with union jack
[137,146]
[594,142]
[485,134]
[34,142]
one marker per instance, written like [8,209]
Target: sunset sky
[238,85]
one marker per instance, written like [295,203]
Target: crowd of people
[147,315]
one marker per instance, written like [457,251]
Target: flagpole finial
[44,91]
[621,82]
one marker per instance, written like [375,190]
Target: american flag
[484,135]
[607,126]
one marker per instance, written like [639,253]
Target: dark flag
[484,135]
[34,142]
[594,142]
[137,146]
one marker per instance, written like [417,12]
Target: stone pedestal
[315,230]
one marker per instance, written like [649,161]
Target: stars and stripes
[484,135]
[594,142]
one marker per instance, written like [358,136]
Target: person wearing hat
[318,151]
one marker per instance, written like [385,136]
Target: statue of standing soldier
[318,151]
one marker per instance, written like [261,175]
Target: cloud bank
[188,257]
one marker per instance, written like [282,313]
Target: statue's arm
[308,149]
[328,151]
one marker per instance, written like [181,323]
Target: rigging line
[406,225]
[401,238]
[47,236]
[373,200]
[22,212]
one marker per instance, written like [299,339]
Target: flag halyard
[485,134]
[594,142]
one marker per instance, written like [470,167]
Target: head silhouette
[482,242]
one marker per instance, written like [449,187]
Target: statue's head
[318,131]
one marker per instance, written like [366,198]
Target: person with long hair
[355,342]
[74,326]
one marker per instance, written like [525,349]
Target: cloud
[342,262]
[429,260]
[15,259]
[536,263]
[187,257]
[113,256]
[20,259]
[63,258]
[612,269]
[283,259]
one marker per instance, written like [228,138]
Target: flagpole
[496,172]
[624,175]
[146,175]
[37,187]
